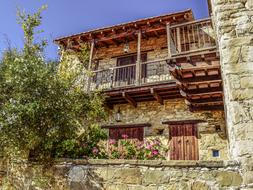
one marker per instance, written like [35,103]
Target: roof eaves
[126,23]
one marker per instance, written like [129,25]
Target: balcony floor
[149,92]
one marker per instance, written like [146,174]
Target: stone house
[161,76]
[176,93]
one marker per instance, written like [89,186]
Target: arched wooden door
[184,142]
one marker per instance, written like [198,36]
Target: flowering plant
[131,149]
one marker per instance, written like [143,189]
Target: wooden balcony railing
[123,76]
[155,71]
[192,36]
[183,39]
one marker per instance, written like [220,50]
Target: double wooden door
[126,132]
[184,142]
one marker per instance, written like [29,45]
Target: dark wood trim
[205,100]
[129,99]
[207,108]
[133,125]
[203,90]
[131,54]
[181,122]
[200,79]
[156,96]
[171,84]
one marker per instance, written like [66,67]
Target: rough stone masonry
[234,27]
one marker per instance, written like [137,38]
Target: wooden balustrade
[155,71]
[114,77]
[192,36]
[183,39]
[123,76]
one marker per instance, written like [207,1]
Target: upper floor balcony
[170,56]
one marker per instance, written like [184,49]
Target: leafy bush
[44,115]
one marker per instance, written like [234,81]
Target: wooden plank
[181,142]
[207,103]
[138,89]
[168,39]
[203,90]
[138,62]
[200,79]
[206,107]
[129,99]
[90,64]
[172,146]
[156,96]
[187,136]
[206,100]
[178,40]
[135,125]
[182,122]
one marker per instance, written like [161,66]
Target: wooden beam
[178,40]
[180,122]
[168,40]
[200,79]
[207,103]
[203,90]
[138,62]
[156,96]
[207,108]
[126,125]
[109,105]
[90,64]
[129,99]
[156,34]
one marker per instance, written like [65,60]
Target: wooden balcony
[152,72]
[191,71]
[120,84]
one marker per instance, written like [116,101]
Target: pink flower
[124,136]
[112,141]
[157,142]
[149,147]
[155,152]
[95,150]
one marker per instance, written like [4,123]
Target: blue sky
[65,17]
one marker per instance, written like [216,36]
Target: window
[216,153]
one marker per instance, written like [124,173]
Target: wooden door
[127,74]
[131,132]
[184,142]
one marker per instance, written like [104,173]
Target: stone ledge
[150,163]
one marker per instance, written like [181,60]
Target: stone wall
[123,175]
[176,109]
[107,55]
[234,27]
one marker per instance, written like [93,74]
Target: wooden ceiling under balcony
[153,92]
[199,80]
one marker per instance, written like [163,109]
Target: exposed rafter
[129,99]
[156,96]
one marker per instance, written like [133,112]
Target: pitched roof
[188,13]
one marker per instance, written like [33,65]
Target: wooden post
[89,65]
[138,62]
[178,40]
[168,39]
